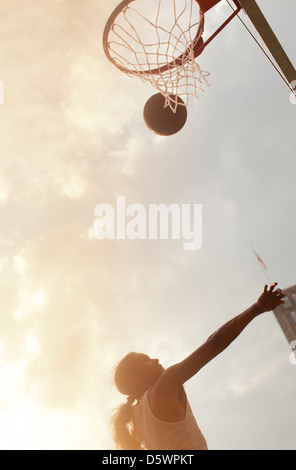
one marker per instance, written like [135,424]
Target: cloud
[95,102]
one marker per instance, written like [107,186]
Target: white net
[154,40]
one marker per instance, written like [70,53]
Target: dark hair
[122,423]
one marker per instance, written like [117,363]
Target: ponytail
[123,427]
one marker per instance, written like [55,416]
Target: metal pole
[270,39]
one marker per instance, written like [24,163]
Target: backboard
[272,43]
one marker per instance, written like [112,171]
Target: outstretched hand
[270,298]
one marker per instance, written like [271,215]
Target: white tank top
[159,435]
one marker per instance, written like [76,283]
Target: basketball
[162,120]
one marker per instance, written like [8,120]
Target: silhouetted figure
[162,419]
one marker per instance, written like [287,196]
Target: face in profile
[136,373]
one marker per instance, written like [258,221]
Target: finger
[265,288]
[282,296]
[273,286]
[279,292]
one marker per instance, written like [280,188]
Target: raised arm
[175,376]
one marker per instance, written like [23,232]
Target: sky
[73,137]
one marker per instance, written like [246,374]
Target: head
[134,374]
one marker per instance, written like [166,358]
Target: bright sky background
[72,136]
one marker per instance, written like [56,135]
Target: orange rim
[175,63]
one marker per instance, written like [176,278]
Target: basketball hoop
[155,42]
[158,42]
